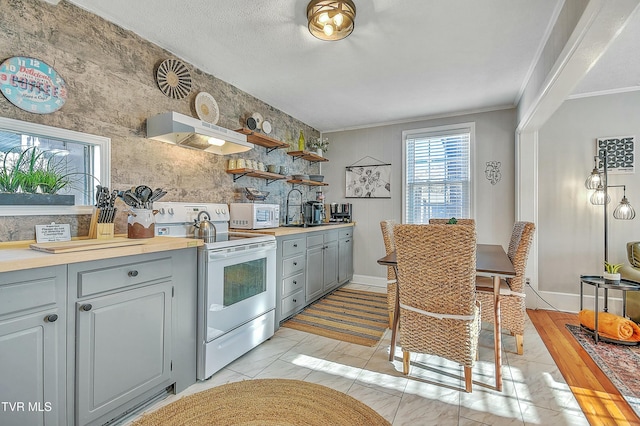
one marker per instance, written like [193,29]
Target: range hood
[180,129]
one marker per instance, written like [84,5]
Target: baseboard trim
[369,280]
[569,302]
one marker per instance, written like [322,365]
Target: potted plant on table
[611,271]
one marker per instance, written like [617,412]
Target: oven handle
[242,250]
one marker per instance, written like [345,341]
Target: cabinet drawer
[124,275]
[331,236]
[291,247]
[292,303]
[293,283]
[27,294]
[345,233]
[293,265]
[315,240]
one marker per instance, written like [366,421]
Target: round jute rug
[265,402]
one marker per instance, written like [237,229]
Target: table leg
[396,317]
[595,332]
[496,332]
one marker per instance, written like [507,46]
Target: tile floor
[534,391]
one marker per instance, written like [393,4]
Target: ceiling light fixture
[331,19]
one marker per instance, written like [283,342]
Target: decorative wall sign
[620,152]
[174,79]
[492,172]
[32,85]
[368,181]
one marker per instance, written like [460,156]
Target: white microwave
[254,216]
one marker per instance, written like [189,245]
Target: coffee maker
[340,212]
[313,213]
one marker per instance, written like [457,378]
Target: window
[83,157]
[437,173]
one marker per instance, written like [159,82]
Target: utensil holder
[105,231]
[141,223]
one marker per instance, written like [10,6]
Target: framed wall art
[620,153]
[368,181]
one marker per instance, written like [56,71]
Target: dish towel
[610,325]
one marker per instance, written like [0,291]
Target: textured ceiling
[406,59]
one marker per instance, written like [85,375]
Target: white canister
[241,163]
[141,223]
[232,165]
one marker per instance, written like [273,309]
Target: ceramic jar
[141,223]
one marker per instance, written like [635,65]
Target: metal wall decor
[368,180]
[174,78]
[492,172]
[620,152]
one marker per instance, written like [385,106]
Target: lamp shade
[624,211]
[599,197]
[593,180]
[331,19]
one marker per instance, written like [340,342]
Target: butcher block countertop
[283,231]
[15,256]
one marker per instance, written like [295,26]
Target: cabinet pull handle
[295,300]
[133,273]
[51,318]
[86,307]
[347,241]
[295,282]
[295,263]
[295,245]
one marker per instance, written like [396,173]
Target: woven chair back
[437,267]
[471,222]
[389,244]
[521,238]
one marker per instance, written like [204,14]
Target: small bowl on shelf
[316,178]
[300,177]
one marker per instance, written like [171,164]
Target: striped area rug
[352,316]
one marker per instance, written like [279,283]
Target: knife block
[100,231]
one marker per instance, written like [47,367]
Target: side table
[600,283]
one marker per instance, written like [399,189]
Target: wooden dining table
[491,261]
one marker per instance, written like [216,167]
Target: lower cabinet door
[314,277]
[30,370]
[123,348]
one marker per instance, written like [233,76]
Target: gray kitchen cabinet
[322,264]
[345,255]
[315,276]
[330,261]
[131,331]
[290,272]
[32,347]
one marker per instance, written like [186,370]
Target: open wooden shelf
[263,140]
[306,182]
[306,155]
[270,177]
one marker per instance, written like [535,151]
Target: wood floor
[599,399]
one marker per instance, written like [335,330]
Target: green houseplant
[611,271]
[33,176]
[320,145]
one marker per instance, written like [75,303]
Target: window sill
[44,210]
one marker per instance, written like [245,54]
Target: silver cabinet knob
[86,307]
[51,318]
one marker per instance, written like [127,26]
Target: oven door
[239,284]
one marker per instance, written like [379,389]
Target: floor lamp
[598,181]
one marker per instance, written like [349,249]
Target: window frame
[42,130]
[469,127]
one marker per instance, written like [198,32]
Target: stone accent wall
[110,75]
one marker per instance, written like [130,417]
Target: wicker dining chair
[512,304]
[389,247]
[439,313]
[471,222]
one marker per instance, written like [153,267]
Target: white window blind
[437,174]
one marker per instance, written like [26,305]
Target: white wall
[570,228]
[494,209]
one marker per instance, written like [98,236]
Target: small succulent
[612,268]
[452,221]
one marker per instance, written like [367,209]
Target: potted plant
[320,145]
[33,176]
[611,271]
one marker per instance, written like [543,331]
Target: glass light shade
[598,197]
[624,211]
[331,19]
[593,180]
[216,141]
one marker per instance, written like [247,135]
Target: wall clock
[32,85]
[174,79]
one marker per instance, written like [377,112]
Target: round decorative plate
[207,108]
[258,117]
[32,85]
[266,127]
[251,123]
[174,79]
